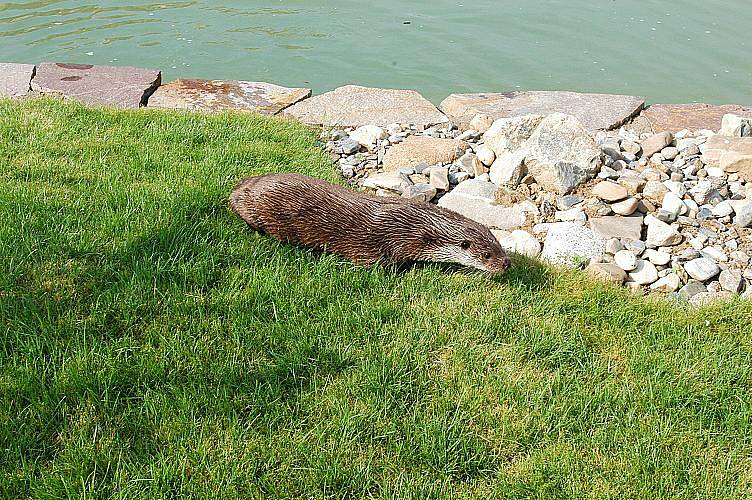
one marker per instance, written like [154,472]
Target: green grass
[152,346]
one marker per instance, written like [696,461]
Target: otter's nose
[506,263]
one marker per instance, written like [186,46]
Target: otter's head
[466,242]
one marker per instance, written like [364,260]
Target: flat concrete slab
[222,95]
[676,117]
[121,87]
[355,106]
[15,79]
[594,111]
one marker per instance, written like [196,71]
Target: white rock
[625,260]
[736,126]
[485,155]
[510,134]
[569,243]
[368,135]
[521,242]
[626,207]
[715,253]
[676,187]
[657,257]
[674,204]
[668,284]
[475,199]
[391,181]
[644,273]
[731,280]
[561,155]
[702,269]
[481,123]
[723,209]
[508,169]
[661,234]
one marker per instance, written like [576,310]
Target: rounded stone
[625,260]
[644,273]
[702,269]
[610,191]
[485,155]
[626,207]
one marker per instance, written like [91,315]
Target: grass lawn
[152,346]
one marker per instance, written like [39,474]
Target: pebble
[702,269]
[694,213]
[667,284]
[626,207]
[644,273]
[626,260]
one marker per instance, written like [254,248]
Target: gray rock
[569,244]
[221,95]
[691,289]
[561,155]
[594,111]
[419,192]
[15,79]
[349,146]
[121,87]
[568,201]
[353,106]
[475,199]
[731,280]
[702,269]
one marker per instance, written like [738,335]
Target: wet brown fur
[360,227]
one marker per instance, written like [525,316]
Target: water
[668,51]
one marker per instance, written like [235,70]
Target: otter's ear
[428,236]
[465,244]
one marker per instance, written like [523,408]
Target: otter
[363,228]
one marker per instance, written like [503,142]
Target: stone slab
[594,111]
[222,95]
[355,106]
[122,87]
[15,79]
[676,117]
[616,226]
[423,149]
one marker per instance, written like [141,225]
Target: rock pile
[665,212]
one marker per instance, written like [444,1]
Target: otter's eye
[487,255]
[465,245]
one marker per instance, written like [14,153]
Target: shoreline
[656,197]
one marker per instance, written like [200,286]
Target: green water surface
[668,51]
